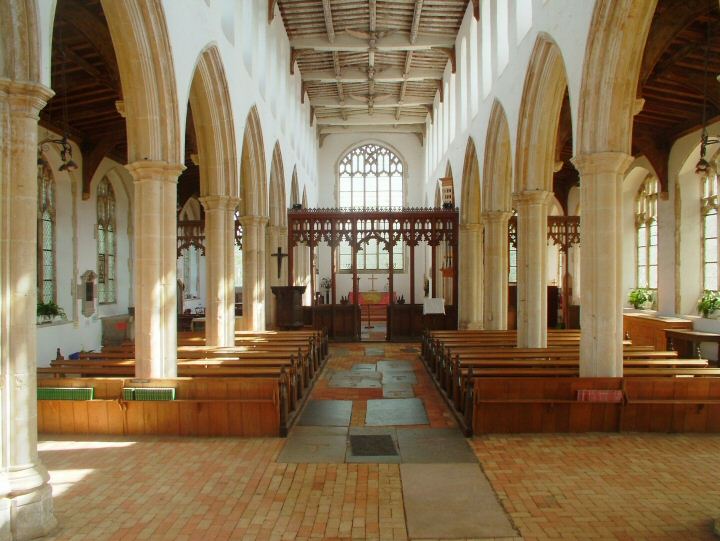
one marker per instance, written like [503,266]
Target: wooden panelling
[646,330]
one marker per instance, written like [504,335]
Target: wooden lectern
[288,312]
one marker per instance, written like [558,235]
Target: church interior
[359,269]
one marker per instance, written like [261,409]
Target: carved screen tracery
[106,243]
[371,177]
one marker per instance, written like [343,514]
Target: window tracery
[647,233]
[46,265]
[106,242]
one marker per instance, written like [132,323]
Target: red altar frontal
[372,297]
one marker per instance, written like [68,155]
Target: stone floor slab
[434,446]
[350,458]
[355,380]
[315,445]
[363,367]
[373,352]
[389,364]
[399,376]
[451,501]
[326,413]
[398,390]
[400,411]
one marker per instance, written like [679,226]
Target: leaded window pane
[652,282]
[711,277]
[106,241]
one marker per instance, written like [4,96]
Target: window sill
[53,323]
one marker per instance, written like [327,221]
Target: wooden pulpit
[288,311]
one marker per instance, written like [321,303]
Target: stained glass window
[647,233]
[371,177]
[46,280]
[709,213]
[106,242]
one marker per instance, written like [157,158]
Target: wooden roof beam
[329,27]
[390,75]
[416,21]
[379,119]
[374,128]
[395,41]
[412,101]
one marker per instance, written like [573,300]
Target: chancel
[354,269]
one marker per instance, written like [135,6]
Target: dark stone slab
[400,411]
[372,431]
[372,445]
[326,413]
[410,350]
[434,446]
[397,390]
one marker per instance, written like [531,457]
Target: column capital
[24,97]
[157,170]
[215,202]
[602,162]
[532,197]
[474,227]
[496,216]
[250,220]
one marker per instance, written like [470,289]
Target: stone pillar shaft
[219,218]
[155,277]
[495,309]
[25,495]
[253,272]
[471,276]
[601,177]
[532,210]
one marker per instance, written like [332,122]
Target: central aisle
[376,404]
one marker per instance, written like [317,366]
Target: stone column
[532,210]
[601,322]
[272,242]
[155,276]
[219,218]
[26,508]
[471,276]
[253,272]
[232,205]
[495,290]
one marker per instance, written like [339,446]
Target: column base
[27,516]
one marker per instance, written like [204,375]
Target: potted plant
[47,311]
[709,303]
[639,297]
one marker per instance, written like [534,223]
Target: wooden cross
[279,254]
[372,280]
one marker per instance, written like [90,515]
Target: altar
[372,297]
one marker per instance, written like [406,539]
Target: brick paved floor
[615,487]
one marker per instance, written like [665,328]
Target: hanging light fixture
[68,164]
[703,167]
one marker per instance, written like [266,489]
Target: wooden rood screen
[388,227]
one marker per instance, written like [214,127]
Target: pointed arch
[213,122]
[470,203]
[613,57]
[253,180]
[497,165]
[278,215]
[294,189]
[19,41]
[140,37]
[543,94]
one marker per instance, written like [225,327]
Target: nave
[112,487]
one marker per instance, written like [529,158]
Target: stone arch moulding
[140,37]
[497,165]
[212,117]
[253,179]
[470,204]
[543,94]
[277,205]
[611,69]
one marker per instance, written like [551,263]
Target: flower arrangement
[639,296]
[709,303]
